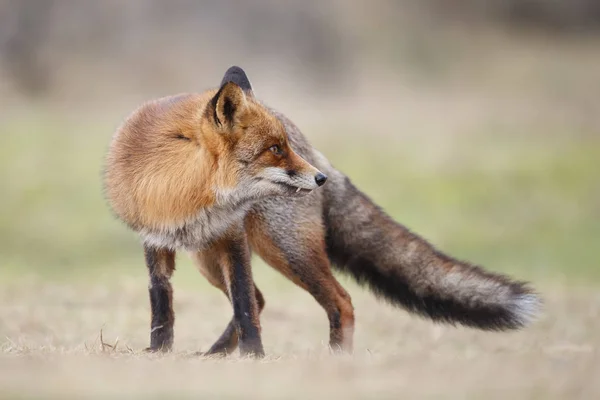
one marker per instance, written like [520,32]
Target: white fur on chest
[209,225]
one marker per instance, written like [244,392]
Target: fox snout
[305,175]
[296,176]
[306,179]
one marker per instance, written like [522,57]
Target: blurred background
[474,123]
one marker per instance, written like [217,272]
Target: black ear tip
[234,70]
[237,75]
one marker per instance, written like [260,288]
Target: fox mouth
[294,190]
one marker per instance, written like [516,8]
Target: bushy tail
[406,270]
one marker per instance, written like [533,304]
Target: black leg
[228,341]
[161,263]
[238,275]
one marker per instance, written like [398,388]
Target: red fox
[221,175]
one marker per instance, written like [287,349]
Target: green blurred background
[477,126]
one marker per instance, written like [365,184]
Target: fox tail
[404,269]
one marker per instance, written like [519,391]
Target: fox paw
[161,349]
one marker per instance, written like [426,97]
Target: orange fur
[168,159]
[145,157]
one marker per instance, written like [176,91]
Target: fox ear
[228,105]
[238,76]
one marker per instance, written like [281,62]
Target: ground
[52,348]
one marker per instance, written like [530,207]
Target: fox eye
[181,137]
[275,149]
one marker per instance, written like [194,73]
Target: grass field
[51,348]
[521,203]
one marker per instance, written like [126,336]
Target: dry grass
[51,347]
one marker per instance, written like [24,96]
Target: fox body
[221,175]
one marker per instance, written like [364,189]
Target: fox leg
[228,341]
[300,255]
[209,267]
[322,285]
[161,264]
[227,267]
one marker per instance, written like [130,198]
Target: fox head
[252,144]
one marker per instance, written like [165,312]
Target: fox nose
[320,178]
